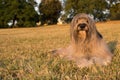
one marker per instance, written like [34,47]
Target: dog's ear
[99,35]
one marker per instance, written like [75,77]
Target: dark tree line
[101,9]
[21,13]
[50,11]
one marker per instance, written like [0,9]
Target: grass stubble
[24,54]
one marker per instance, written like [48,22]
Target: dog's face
[82,26]
[80,22]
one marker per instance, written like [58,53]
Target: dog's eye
[87,21]
[77,21]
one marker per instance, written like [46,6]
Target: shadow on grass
[112,45]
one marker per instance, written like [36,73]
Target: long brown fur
[87,45]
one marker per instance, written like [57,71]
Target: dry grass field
[24,54]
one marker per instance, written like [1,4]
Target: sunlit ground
[24,54]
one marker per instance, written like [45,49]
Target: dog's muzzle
[82,26]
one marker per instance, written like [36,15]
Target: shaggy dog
[87,45]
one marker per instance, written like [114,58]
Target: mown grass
[24,54]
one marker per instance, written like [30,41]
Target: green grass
[24,54]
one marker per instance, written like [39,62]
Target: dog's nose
[82,25]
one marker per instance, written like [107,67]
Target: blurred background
[33,13]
